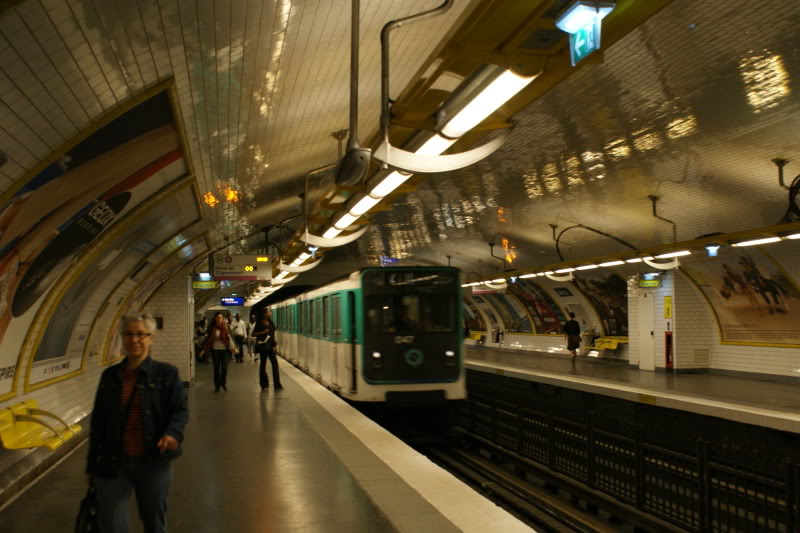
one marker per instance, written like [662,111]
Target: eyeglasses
[130,335]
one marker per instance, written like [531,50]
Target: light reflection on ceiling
[766,80]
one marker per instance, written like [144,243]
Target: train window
[306,318]
[395,313]
[325,314]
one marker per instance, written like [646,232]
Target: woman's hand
[167,443]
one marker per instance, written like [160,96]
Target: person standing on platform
[220,344]
[137,425]
[265,348]
[251,341]
[572,334]
[239,329]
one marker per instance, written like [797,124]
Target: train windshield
[411,281]
[410,313]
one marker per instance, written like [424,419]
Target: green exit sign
[584,41]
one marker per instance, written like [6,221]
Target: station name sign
[232,300]
[243,267]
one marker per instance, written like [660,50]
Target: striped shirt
[133,435]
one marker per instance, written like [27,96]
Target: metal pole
[354,37]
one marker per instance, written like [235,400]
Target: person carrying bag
[264,332]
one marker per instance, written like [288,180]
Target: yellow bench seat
[24,425]
[608,343]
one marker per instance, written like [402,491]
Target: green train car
[380,335]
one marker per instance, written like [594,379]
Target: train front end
[412,335]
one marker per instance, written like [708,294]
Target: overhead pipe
[654,199]
[385,31]
[501,259]
[780,163]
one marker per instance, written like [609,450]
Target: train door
[647,349]
[351,320]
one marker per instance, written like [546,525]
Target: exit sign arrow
[584,41]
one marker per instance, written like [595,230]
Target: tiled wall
[174,302]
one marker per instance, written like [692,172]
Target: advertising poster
[511,312]
[608,293]
[58,215]
[754,300]
[64,340]
[547,316]
[472,317]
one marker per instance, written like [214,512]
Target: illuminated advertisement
[472,317]
[58,215]
[608,293]
[511,312]
[754,300]
[547,316]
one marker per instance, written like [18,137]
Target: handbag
[86,522]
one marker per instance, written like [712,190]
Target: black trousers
[263,354]
[239,340]
[220,358]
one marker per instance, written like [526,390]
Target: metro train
[389,334]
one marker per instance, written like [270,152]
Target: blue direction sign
[584,41]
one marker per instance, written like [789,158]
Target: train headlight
[376,355]
[450,353]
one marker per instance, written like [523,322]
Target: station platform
[762,402]
[295,460]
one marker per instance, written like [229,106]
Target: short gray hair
[147,318]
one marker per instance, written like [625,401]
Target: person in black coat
[264,332]
[137,426]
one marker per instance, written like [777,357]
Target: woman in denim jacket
[137,428]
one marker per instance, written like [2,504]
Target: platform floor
[763,401]
[297,460]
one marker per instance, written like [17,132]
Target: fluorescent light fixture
[331,233]
[611,263]
[376,355]
[586,267]
[465,284]
[436,145]
[450,353]
[497,93]
[564,270]
[674,254]
[474,283]
[634,260]
[526,276]
[389,183]
[364,205]
[498,280]
[712,249]
[793,236]
[546,273]
[282,275]
[300,258]
[344,221]
[582,13]
[204,276]
[755,242]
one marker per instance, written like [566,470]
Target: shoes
[225,388]
[264,389]
[278,387]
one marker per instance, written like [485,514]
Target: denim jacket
[164,412]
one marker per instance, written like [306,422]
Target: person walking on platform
[264,332]
[137,425]
[239,329]
[572,334]
[220,344]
